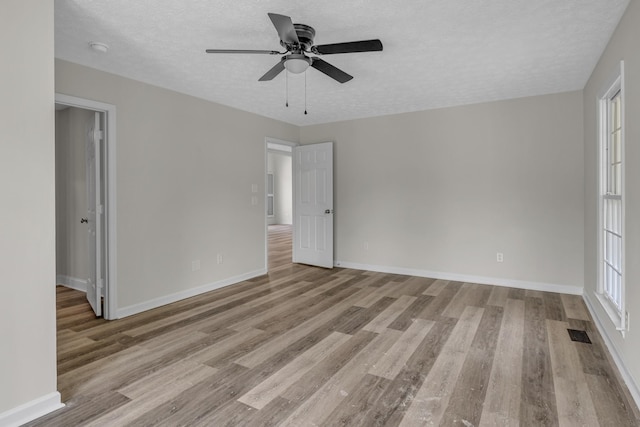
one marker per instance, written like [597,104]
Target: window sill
[614,316]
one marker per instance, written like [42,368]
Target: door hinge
[98,135]
[100,209]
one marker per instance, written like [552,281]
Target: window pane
[617,117]
[616,155]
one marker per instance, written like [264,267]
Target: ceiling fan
[297,39]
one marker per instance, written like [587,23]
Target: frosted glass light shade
[296,65]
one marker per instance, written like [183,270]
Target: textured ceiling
[437,53]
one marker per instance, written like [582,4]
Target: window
[611,289]
[270,186]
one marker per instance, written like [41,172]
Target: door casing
[109,242]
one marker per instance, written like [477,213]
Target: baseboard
[72,282]
[520,284]
[168,299]
[634,390]
[31,410]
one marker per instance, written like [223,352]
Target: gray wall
[72,127]
[443,191]
[185,168]
[623,45]
[280,165]
[27,211]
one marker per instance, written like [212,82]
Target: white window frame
[614,86]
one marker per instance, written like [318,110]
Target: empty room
[334,213]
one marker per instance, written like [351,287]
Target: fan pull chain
[287,88]
[305,93]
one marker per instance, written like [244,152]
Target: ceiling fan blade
[267,52]
[285,28]
[348,47]
[269,75]
[331,71]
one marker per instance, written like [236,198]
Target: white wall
[280,165]
[623,45]
[443,191]
[27,211]
[72,127]
[185,168]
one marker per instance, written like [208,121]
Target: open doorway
[279,202]
[85,200]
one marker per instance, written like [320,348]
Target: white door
[313,204]
[94,215]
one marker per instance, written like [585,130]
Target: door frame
[110,237]
[271,145]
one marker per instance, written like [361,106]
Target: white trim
[276,141]
[110,287]
[634,390]
[279,152]
[279,148]
[615,82]
[72,282]
[31,410]
[612,312]
[496,281]
[178,296]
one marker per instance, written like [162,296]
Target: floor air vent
[579,336]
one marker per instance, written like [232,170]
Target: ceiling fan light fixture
[297,64]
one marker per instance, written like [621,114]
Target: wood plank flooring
[304,346]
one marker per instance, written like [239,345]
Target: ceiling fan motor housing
[305,35]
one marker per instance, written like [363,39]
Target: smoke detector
[99,47]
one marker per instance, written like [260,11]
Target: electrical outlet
[499,257]
[365,245]
[195,265]
[220,259]
[254,188]
[254,201]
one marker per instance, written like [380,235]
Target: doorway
[278,202]
[85,200]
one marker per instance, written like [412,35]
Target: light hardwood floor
[305,346]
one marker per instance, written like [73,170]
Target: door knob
[83,220]
[328,211]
